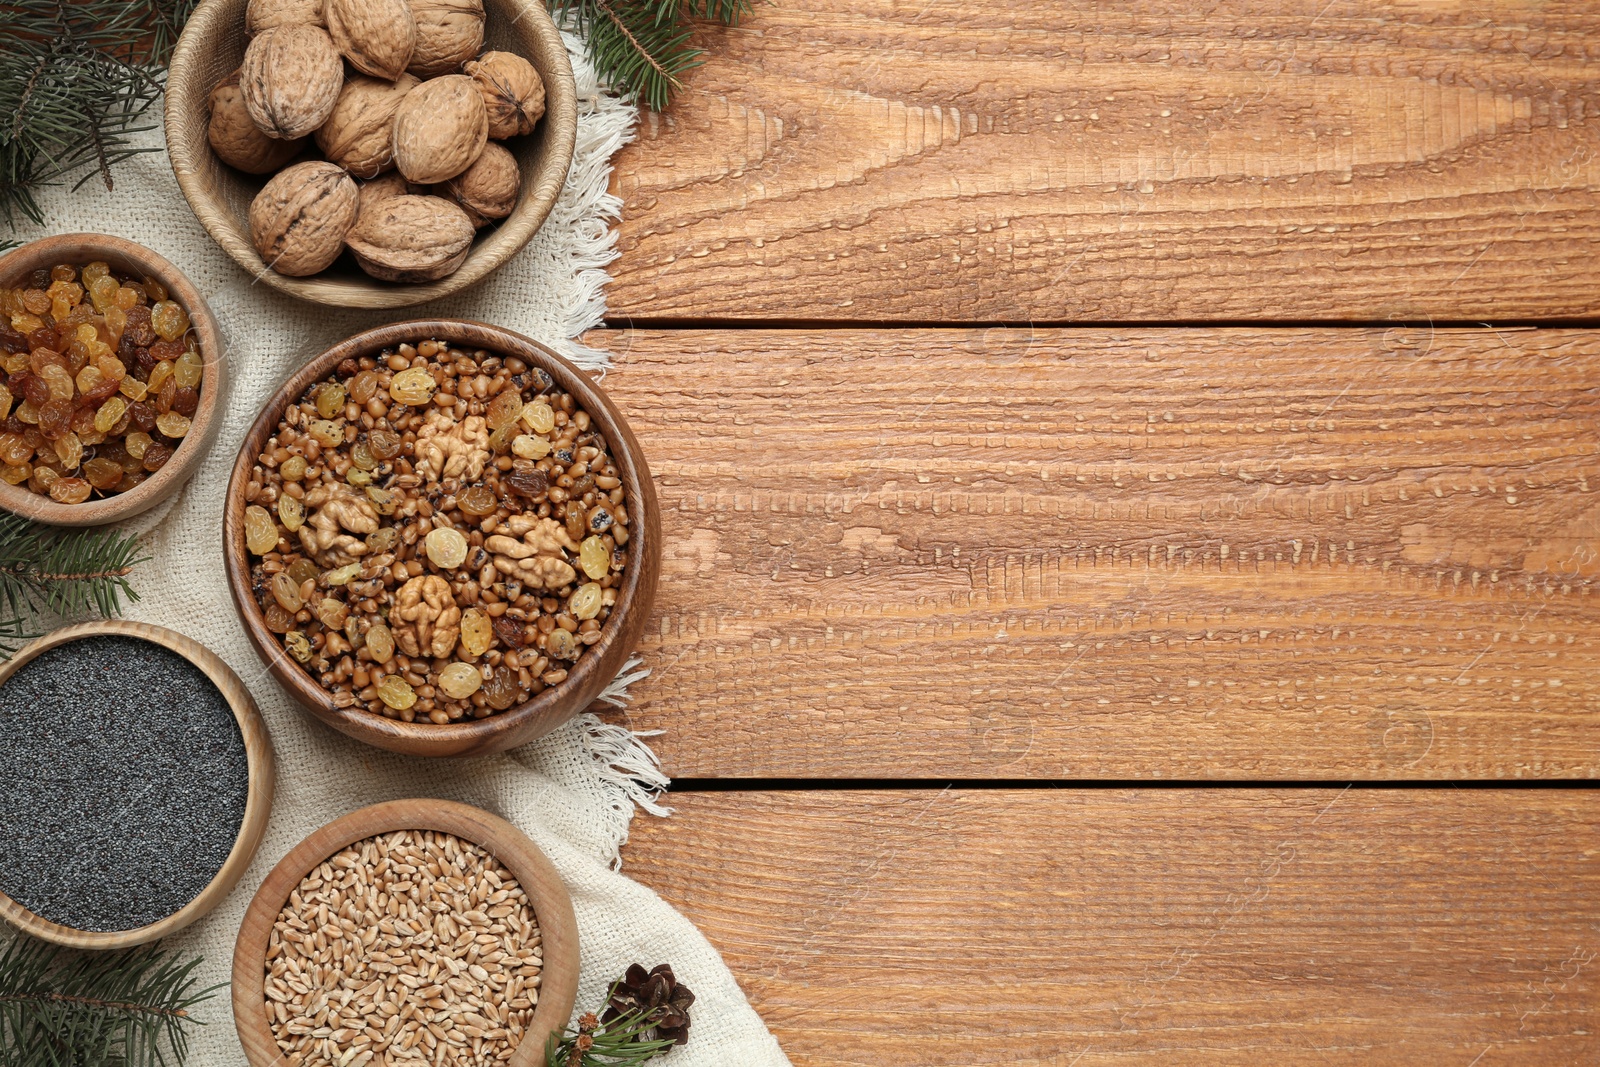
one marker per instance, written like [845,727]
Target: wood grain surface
[1245,553]
[1135,159]
[1087,928]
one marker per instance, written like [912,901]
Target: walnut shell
[235,138]
[299,220]
[449,32]
[487,190]
[376,36]
[290,80]
[382,188]
[411,239]
[512,92]
[359,134]
[265,14]
[440,129]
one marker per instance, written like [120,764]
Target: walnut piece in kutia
[450,449]
[335,513]
[538,559]
[425,618]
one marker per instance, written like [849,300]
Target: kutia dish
[136,779]
[430,906]
[444,128]
[113,379]
[441,538]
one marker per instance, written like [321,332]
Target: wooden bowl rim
[185,146]
[552,906]
[261,772]
[83,248]
[416,738]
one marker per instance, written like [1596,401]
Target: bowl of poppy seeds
[136,777]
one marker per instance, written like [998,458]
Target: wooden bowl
[258,800]
[79,249]
[594,670]
[212,47]
[558,927]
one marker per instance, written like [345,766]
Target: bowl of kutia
[442,538]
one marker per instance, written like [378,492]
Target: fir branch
[643,46]
[127,1009]
[77,77]
[618,1043]
[64,572]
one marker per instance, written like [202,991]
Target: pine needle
[641,47]
[67,573]
[60,1008]
[75,80]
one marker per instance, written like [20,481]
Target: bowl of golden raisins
[442,538]
[113,379]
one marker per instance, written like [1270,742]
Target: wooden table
[1130,486]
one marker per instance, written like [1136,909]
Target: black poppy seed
[123,781]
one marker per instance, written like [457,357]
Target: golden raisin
[446,548]
[414,387]
[70,490]
[396,692]
[477,633]
[380,642]
[459,681]
[286,591]
[260,532]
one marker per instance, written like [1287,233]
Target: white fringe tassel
[623,759]
[588,217]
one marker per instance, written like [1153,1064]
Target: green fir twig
[75,81]
[618,1043]
[67,573]
[60,1008]
[642,47]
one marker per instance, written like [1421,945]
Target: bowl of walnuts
[371,153]
[441,538]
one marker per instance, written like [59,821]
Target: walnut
[512,92]
[235,138]
[411,238]
[449,32]
[299,220]
[376,36]
[262,15]
[290,80]
[357,135]
[540,536]
[487,190]
[440,129]
[449,449]
[545,572]
[425,618]
[332,510]
[380,188]
[537,559]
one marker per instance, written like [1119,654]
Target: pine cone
[660,996]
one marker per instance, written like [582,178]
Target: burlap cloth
[574,792]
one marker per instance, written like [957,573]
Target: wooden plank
[1133,159]
[1237,553]
[1050,928]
